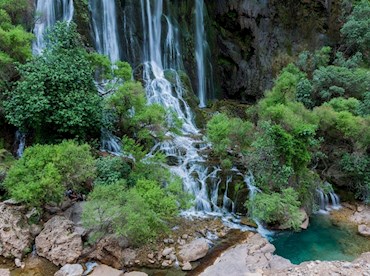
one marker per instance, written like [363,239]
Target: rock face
[58,242]
[70,270]
[254,39]
[15,236]
[194,251]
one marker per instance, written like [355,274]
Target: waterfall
[106,38]
[20,140]
[48,12]
[327,199]
[253,190]
[228,204]
[201,50]
[104,23]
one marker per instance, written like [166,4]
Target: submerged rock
[15,235]
[194,251]
[70,270]
[58,241]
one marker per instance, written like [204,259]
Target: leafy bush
[356,30]
[228,134]
[357,168]
[110,170]
[139,213]
[56,92]
[281,208]
[45,172]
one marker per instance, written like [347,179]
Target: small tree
[56,95]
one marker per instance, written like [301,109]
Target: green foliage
[364,106]
[282,208]
[344,124]
[228,134]
[356,30]
[56,92]
[357,168]
[341,104]
[333,81]
[110,170]
[15,42]
[139,213]
[44,172]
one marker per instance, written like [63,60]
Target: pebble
[187,267]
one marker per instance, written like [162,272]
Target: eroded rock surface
[58,241]
[15,235]
[70,270]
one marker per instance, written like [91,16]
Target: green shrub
[140,213]
[228,134]
[44,173]
[281,208]
[110,170]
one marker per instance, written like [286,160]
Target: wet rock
[104,270]
[4,272]
[187,266]
[194,251]
[364,230]
[15,235]
[305,219]
[185,236]
[70,270]
[248,222]
[58,242]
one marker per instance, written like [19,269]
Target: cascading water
[106,38]
[48,12]
[201,51]
[20,140]
[104,23]
[253,190]
[327,199]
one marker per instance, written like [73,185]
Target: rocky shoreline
[190,248]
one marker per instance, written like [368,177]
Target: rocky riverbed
[194,247]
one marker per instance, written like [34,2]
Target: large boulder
[361,216]
[112,251]
[70,270]
[58,241]
[364,230]
[15,235]
[194,251]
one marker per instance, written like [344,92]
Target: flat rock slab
[70,270]
[104,270]
[4,272]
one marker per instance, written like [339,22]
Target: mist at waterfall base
[323,240]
